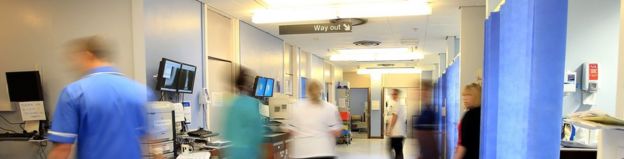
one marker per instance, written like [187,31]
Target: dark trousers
[396,146]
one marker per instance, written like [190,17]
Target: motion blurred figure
[314,125]
[427,124]
[397,125]
[470,125]
[104,112]
[242,124]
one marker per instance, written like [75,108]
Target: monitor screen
[168,75]
[260,86]
[186,78]
[24,86]
[268,91]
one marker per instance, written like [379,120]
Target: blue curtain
[490,86]
[453,106]
[523,69]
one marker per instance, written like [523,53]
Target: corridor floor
[374,149]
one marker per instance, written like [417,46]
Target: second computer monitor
[260,86]
[268,90]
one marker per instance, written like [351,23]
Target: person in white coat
[313,125]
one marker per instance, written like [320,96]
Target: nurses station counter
[274,146]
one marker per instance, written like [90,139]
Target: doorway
[359,100]
[409,97]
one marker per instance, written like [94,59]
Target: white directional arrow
[347,27]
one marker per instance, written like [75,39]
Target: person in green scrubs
[242,124]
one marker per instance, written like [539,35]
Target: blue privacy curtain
[452,106]
[522,87]
[490,86]
[447,97]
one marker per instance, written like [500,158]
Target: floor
[373,149]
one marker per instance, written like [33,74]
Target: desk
[578,153]
[275,146]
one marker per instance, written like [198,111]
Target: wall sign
[593,71]
[344,27]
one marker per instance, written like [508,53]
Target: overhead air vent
[353,21]
[385,65]
[367,43]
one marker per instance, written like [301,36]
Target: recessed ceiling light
[380,54]
[299,10]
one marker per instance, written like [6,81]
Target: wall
[591,39]
[401,80]
[261,52]
[173,30]
[357,81]
[316,68]
[471,47]
[33,36]
[376,88]
[620,91]
[219,36]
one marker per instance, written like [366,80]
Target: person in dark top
[470,125]
[426,124]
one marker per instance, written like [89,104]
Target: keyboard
[16,136]
[200,133]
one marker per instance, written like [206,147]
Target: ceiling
[428,31]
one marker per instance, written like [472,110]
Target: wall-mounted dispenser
[590,82]
[569,82]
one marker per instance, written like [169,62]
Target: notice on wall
[218,99]
[32,111]
[375,105]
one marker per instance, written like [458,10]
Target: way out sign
[315,28]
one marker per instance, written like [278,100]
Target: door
[220,89]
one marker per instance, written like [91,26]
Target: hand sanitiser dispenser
[590,77]
[590,82]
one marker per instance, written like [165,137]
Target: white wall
[471,47]
[620,86]
[593,30]
[33,35]
[316,68]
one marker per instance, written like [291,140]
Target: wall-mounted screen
[24,86]
[186,78]
[168,75]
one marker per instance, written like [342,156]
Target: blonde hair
[313,90]
[474,86]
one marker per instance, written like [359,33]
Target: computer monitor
[186,78]
[168,75]
[268,90]
[259,86]
[24,86]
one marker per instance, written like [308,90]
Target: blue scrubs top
[243,127]
[104,112]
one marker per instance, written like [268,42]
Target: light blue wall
[593,36]
[173,30]
[261,52]
[357,103]
[376,115]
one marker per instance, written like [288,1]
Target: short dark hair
[426,85]
[244,79]
[397,91]
[96,45]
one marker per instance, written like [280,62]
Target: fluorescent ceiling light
[410,70]
[309,10]
[385,54]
